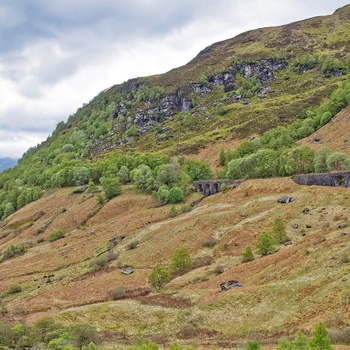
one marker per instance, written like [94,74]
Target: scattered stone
[246,102]
[308,226]
[344,234]
[295,226]
[243,215]
[343,225]
[127,271]
[288,243]
[305,210]
[230,284]
[344,279]
[285,199]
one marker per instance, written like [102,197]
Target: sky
[57,55]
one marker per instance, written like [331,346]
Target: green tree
[265,243]
[181,261]
[222,157]
[142,177]
[279,231]
[320,340]
[301,341]
[338,161]
[81,176]
[9,209]
[320,160]
[111,186]
[158,277]
[123,174]
[248,254]
[163,194]
[285,344]
[252,345]
[176,195]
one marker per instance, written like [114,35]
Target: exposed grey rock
[343,225]
[285,199]
[295,226]
[127,271]
[230,284]
[288,243]
[305,211]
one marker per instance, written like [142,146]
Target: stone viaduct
[209,187]
[333,178]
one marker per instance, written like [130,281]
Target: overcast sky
[56,55]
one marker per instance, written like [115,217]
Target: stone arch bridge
[209,187]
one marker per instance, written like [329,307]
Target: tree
[181,261]
[158,277]
[285,344]
[143,177]
[222,158]
[123,174]
[279,231]
[176,195]
[320,160]
[265,243]
[320,340]
[338,161]
[81,175]
[301,341]
[248,254]
[9,209]
[163,194]
[111,186]
[252,345]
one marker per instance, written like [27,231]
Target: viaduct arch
[209,187]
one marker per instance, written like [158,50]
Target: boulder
[285,199]
[230,284]
[127,271]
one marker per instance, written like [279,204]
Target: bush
[14,288]
[219,269]
[175,195]
[55,235]
[247,255]
[132,245]
[265,243]
[210,243]
[118,293]
[158,277]
[111,186]
[181,261]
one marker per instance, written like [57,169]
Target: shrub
[118,293]
[132,245]
[181,261]
[159,276]
[55,235]
[247,254]
[219,269]
[210,243]
[265,243]
[279,231]
[14,288]
[111,186]
[173,212]
[175,195]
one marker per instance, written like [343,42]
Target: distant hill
[7,163]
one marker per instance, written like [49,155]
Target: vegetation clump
[55,235]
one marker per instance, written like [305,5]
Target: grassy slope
[294,288]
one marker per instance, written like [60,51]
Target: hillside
[294,288]
[111,188]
